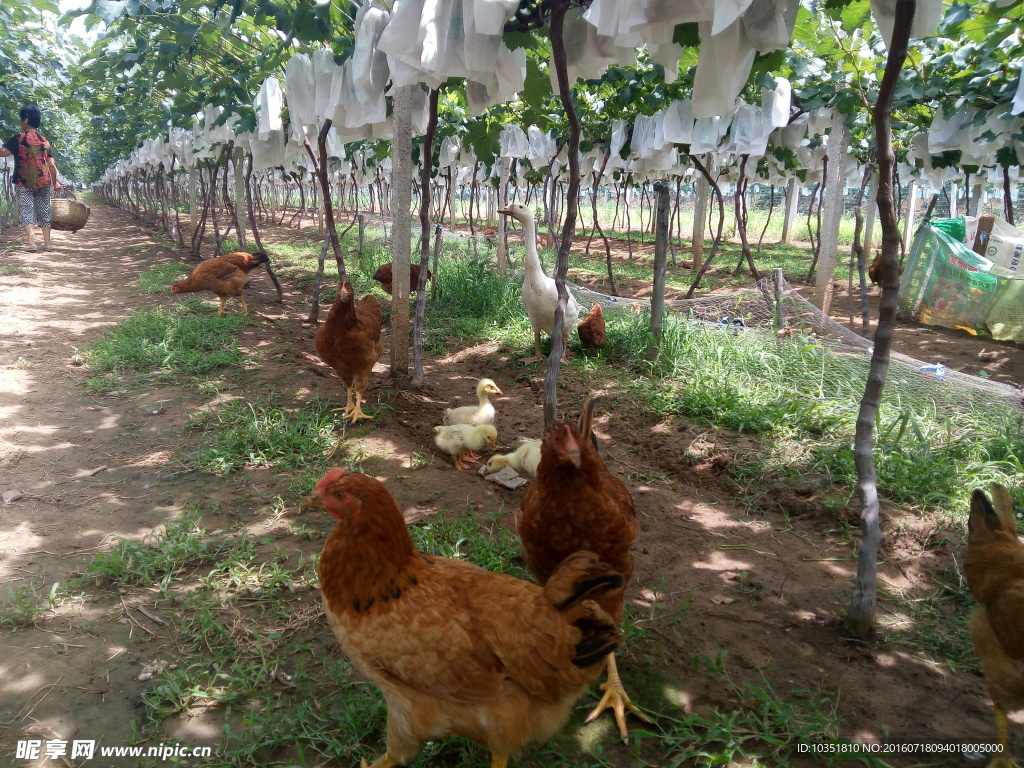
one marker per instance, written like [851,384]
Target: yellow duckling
[461,441]
[475,414]
[523,459]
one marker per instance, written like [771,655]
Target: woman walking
[34,174]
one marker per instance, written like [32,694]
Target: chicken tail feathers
[259,257]
[992,516]
[600,639]
[586,423]
[581,576]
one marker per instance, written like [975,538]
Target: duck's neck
[530,239]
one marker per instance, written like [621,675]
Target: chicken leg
[384,761]
[499,761]
[220,310]
[356,412]
[245,307]
[538,355]
[347,410]
[616,699]
[1003,739]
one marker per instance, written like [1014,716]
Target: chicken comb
[333,475]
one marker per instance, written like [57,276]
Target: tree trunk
[741,223]
[712,184]
[861,620]
[661,219]
[607,248]
[859,253]
[559,7]
[421,289]
[401,231]
[1007,200]
[320,167]
[256,229]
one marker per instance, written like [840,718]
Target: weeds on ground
[265,432]
[185,338]
[159,277]
[29,603]
[161,558]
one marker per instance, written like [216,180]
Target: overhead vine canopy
[160,62]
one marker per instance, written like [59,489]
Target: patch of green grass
[935,442]
[27,604]
[937,625]
[159,277]
[184,338]
[11,269]
[266,432]
[101,385]
[463,536]
[161,557]
[765,730]
[475,301]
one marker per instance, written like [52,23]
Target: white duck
[475,414]
[540,297]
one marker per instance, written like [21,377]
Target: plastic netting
[754,309]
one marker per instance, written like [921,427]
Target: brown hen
[225,276]
[591,329]
[994,569]
[577,503]
[435,635]
[349,342]
[383,275]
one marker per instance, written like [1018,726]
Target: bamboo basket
[69,215]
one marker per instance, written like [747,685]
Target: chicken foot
[1003,739]
[347,410]
[356,411]
[384,761]
[616,699]
[223,301]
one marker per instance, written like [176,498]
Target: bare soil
[765,588]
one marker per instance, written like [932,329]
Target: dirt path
[763,588]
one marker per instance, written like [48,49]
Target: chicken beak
[573,457]
[570,451]
[311,504]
